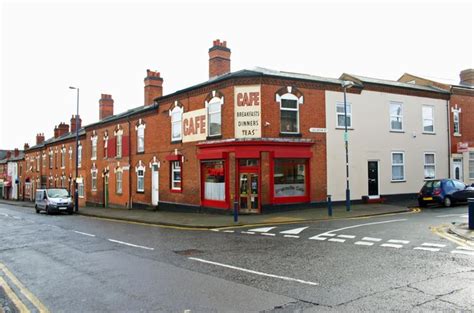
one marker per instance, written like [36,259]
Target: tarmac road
[395,262]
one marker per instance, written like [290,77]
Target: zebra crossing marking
[295,231]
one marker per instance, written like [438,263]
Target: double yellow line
[441,231]
[24,291]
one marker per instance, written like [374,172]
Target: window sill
[398,181]
[428,133]
[140,152]
[141,191]
[457,135]
[93,159]
[343,128]
[214,137]
[290,135]
[396,131]
[176,141]
[176,191]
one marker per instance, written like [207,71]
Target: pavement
[462,230]
[209,220]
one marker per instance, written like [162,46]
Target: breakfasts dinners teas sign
[247,112]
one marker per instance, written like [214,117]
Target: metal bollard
[470,214]
[329,206]
[236,211]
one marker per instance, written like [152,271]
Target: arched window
[94,146]
[214,113]
[140,128]
[140,170]
[94,177]
[290,100]
[176,122]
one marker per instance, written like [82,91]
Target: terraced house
[256,137]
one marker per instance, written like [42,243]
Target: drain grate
[188,252]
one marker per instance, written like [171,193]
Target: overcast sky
[106,47]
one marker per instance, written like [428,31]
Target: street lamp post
[347,84]
[76,193]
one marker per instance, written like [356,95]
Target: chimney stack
[106,106]
[153,86]
[26,146]
[73,123]
[9,154]
[39,138]
[16,152]
[467,77]
[61,129]
[219,59]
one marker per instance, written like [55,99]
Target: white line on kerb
[255,272]
[85,234]
[329,233]
[426,249]
[399,241]
[130,244]
[391,245]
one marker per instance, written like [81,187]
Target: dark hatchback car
[445,192]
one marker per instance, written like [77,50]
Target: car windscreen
[58,193]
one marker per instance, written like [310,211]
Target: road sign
[318,130]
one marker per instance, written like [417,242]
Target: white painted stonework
[370,139]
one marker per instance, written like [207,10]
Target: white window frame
[456,120]
[140,178]
[429,164]
[177,112]
[290,96]
[432,119]
[38,166]
[63,157]
[94,147]
[471,164]
[80,189]
[94,172]
[349,114]
[398,164]
[218,102]
[118,151]
[175,169]
[79,155]
[119,182]
[400,116]
[51,156]
[140,138]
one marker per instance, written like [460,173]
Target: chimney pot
[219,59]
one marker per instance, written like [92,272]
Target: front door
[155,197]
[249,192]
[106,190]
[373,175]
[457,169]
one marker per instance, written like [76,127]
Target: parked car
[444,191]
[53,200]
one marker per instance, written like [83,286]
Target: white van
[53,200]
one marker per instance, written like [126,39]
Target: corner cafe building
[244,137]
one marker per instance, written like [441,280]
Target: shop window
[176,122]
[430,166]
[289,178]
[248,162]
[176,183]
[428,119]
[396,116]
[214,180]
[398,166]
[340,115]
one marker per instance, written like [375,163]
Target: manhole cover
[188,252]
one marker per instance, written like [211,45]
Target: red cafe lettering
[194,125]
[248,98]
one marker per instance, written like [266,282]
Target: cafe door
[249,185]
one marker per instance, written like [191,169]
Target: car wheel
[48,211]
[36,209]
[447,202]
[422,204]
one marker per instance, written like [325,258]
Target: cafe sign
[194,125]
[247,112]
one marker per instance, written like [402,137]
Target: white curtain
[214,191]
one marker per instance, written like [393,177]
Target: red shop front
[255,173]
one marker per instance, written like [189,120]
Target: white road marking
[267,234]
[261,230]
[391,245]
[336,239]
[291,236]
[317,238]
[4,214]
[371,239]
[463,252]
[248,232]
[130,244]
[449,215]
[465,248]
[255,272]
[363,243]
[329,233]
[438,245]
[228,231]
[426,249]
[295,231]
[399,241]
[214,229]
[346,236]
[85,234]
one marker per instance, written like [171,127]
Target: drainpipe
[448,105]
[129,166]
